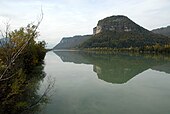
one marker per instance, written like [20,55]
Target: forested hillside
[120,32]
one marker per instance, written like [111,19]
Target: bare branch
[49,87]
[15,56]
[4,79]
[2,34]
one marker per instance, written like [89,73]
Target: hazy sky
[63,18]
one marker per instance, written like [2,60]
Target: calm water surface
[89,83]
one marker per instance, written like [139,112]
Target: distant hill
[71,42]
[164,31]
[121,32]
[3,41]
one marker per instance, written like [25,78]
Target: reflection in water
[20,94]
[163,68]
[115,68]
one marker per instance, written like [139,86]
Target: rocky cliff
[71,42]
[117,23]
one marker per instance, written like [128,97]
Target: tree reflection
[20,95]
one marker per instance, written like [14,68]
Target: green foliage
[164,49]
[2,66]
[16,85]
[18,93]
[18,89]
[115,39]
[127,41]
[21,104]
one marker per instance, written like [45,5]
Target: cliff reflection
[116,68]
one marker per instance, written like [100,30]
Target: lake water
[91,83]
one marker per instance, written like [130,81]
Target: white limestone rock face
[117,23]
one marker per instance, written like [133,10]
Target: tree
[19,57]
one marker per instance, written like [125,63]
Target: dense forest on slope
[114,39]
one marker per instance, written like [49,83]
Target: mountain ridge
[117,23]
[115,32]
[71,42]
[121,32]
[163,30]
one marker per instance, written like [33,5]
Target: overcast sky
[63,18]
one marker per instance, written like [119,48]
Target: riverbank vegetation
[21,69]
[153,49]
